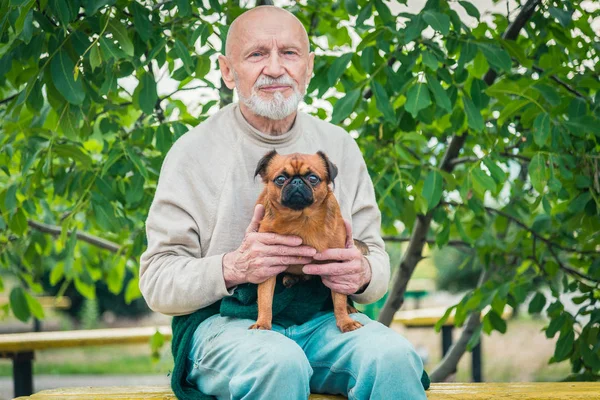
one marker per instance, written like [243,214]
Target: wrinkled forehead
[300,164]
[267,29]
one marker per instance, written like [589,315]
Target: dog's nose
[296,182]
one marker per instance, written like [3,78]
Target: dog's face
[296,181]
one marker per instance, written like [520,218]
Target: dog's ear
[263,163]
[332,170]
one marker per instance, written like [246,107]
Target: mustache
[264,80]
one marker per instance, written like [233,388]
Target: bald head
[263,20]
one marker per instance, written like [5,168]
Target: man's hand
[263,255]
[351,271]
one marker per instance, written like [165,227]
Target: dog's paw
[349,325]
[261,326]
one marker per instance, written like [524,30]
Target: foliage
[80,152]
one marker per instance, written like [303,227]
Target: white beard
[279,106]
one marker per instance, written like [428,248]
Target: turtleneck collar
[265,139]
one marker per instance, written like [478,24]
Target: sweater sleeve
[174,277]
[366,225]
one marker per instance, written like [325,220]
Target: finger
[349,242]
[331,269]
[337,287]
[259,213]
[277,239]
[284,260]
[297,251]
[338,254]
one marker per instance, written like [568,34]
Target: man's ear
[226,72]
[332,170]
[263,163]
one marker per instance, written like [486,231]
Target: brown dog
[298,201]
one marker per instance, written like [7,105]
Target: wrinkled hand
[349,272]
[263,255]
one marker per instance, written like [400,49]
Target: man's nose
[274,67]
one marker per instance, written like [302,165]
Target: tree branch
[421,227]
[448,365]
[9,98]
[84,237]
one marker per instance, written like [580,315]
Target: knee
[283,360]
[397,355]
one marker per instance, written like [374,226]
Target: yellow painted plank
[429,316]
[438,391]
[19,342]
[45,301]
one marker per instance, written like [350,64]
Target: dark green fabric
[292,306]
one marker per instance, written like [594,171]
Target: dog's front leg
[265,304]
[340,310]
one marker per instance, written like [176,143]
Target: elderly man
[203,259]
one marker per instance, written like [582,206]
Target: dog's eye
[313,179]
[280,180]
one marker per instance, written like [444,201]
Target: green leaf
[484,181]
[164,138]
[537,303]
[498,175]
[497,322]
[517,52]
[369,39]
[63,77]
[141,22]
[344,106]
[563,17]
[383,102]
[438,21]
[351,6]
[34,306]
[578,204]
[470,9]
[10,200]
[442,321]
[417,99]
[549,93]
[480,99]
[95,57]
[73,152]
[337,68]
[120,33]
[474,118]
[538,173]
[148,96]
[474,340]
[18,222]
[383,11]
[19,304]
[184,6]
[185,56]
[137,161]
[414,28]
[440,95]
[202,67]
[497,57]
[564,346]
[430,60]
[432,189]
[88,290]
[541,127]
[133,290]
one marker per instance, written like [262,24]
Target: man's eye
[255,54]
[313,179]
[280,180]
[290,52]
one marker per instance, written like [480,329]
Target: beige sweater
[205,199]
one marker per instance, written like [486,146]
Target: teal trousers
[229,361]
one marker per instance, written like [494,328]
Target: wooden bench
[47,302]
[428,317]
[20,347]
[438,391]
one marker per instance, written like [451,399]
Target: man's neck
[266,125]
